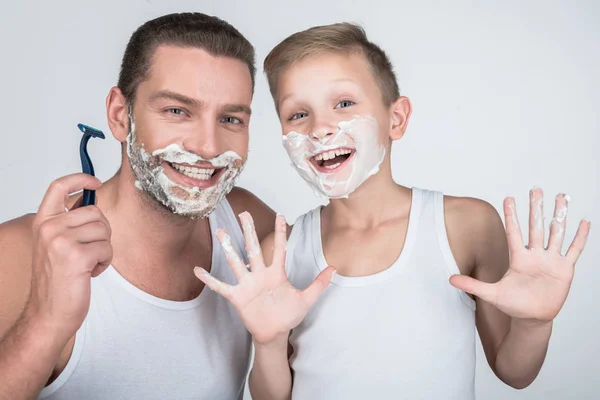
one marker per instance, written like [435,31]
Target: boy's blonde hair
[345,38]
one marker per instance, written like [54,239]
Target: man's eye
[299,115]
[176,111]
[344,104]
[231,120]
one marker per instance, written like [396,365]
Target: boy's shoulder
[475,231]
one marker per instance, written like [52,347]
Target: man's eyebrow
[236,108]
[169,95]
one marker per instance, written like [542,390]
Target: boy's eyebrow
[285,98]
[334,81]
[170,95]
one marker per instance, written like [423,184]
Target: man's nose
[203,140]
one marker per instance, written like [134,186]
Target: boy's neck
[377,200]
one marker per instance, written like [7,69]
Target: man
[100,302]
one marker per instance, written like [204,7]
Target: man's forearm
[271,378]
[522,353]
[28,355]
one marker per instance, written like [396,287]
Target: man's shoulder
[16,233]
[242,200]
[16,239]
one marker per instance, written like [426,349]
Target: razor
[89,196]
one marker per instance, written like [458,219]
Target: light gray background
[505,96]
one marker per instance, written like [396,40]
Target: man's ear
[401,110]
[117,112]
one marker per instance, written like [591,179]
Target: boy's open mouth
[329,161]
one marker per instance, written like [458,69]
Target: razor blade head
[93,132]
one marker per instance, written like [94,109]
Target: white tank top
[133,345]
[403,333]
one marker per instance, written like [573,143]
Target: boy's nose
[319,136]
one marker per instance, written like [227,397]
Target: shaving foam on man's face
[335,165]
[201,185]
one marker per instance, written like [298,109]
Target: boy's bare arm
[518,297]
[270,377]
[268,304]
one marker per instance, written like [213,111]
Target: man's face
[188,138]
[336,127]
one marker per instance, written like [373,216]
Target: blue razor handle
[89,196]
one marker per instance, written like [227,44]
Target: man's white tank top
[133,345]
[403,333]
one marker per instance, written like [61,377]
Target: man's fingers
[252,243]
[536,219]
[513,230]
[485,291]
[55,199]
[214,284]
[279,242]
[559,223]
[235,262]
[101,252]
[84,215]
[94,231]
[321,282]
[579,242]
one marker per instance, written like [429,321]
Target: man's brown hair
[191,29]
[344,38]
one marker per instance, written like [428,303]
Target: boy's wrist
[278,342]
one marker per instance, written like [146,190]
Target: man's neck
[153,248]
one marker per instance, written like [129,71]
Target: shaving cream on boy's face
[192,202]
[335,164]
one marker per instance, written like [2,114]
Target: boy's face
[336,127]
[189,129]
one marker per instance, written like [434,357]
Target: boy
[390,325]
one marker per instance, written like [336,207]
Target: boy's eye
[231,120]
[344,103]
[299,115]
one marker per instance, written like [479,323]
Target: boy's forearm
[28,355]
[271,378]
[522,352]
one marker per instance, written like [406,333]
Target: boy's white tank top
[403,333]
[133,345]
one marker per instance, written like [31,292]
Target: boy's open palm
[265,300]
[538,279]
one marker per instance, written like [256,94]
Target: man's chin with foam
[182,182]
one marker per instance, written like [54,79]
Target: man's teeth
[202,174]
[328,155]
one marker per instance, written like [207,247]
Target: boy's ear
[401,110]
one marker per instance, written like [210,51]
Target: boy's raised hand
[538,279]
[265,300]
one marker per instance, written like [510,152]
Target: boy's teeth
[202,174]
[332,166]
[328,155]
